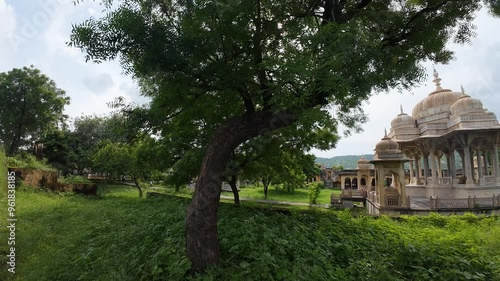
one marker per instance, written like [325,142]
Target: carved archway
[347,183]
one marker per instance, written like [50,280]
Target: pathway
[420,203]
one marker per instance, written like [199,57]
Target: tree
[60,150]
[90,130]
[119,159]
[31,106]
[256,66]
[338,167]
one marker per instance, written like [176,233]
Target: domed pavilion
[390,191]
[451,142]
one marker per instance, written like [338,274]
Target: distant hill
[347,161]
[351,161]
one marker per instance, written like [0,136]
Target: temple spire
[437,80]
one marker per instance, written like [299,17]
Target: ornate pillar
[433,168]
[473,166]
[496,169]
[467,165]
[452,169]
[411,172]
[380,186]
[448,164]
[480,177]
[418,173]
[462,156]
[426,168]
[439,154]
[401,188]
[485,162]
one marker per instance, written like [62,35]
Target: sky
[35,32]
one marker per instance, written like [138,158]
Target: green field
[299,195]
[3,171]
[118,236]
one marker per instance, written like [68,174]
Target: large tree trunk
[202,242]
[136,182]
[232,182]
[265,182]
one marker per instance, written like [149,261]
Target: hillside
[351,161]
[347,161]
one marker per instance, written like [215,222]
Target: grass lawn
[257,192]
[299,195]
[3,171]
[118,236]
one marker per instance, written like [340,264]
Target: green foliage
[27,161]
[314,190]
[72,237]
[90,132]
[62,150]
[112,159]
[3,169]
[31,106]
[74,179]
[121,159]
[185,169]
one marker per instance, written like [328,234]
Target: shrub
[70,179]
[314,190]
[27,161]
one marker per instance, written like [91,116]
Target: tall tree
[256,66]
[60,149]
[120,159]
[31,106]
[90,130]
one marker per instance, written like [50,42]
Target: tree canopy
[246,68]
[31,106]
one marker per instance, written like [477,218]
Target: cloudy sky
[35,32]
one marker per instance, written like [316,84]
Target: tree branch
[397,37]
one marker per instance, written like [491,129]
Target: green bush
[27,161]
[3,170]
[121,237]
[71,179]
[314,190]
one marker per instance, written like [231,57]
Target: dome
[386,145]
[403,120]
[439,101]
[387,149]
[363,160]
[363,164]
[466,104]
[435,103]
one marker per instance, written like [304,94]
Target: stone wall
[37,178]
[48,179]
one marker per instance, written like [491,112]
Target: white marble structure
[448,127]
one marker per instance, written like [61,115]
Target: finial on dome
[437,80]
[462,89]
[385,132]
[401,108]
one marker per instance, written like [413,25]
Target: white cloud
[99,83]
[7,32]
